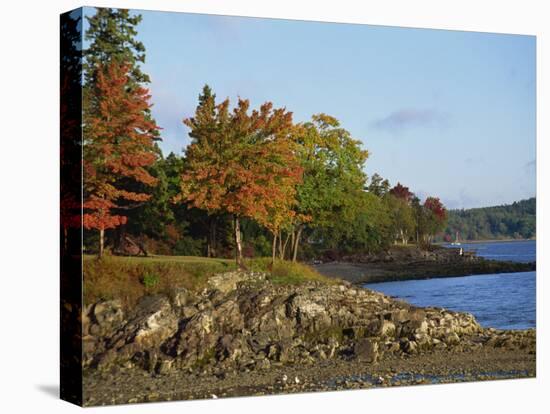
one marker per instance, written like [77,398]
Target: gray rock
[366,349]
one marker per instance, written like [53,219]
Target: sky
[447,113]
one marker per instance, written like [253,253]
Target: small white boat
[456,242]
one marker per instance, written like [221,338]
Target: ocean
[503,301]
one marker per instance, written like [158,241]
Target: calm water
[505,301]
[519,251]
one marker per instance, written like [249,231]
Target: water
[517,251]
[504,301]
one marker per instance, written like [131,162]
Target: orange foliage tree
[241,163]
[118,147]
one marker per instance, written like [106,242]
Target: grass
[287,273]
[129,278]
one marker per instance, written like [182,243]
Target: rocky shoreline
[244,335]
[412,263]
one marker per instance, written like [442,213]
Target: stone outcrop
[243,322]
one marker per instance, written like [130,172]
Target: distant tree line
[252,182]
[511,221]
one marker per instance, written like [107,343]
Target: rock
[180,297]
[226,282]
[452,339]
[410,347]
[155,323]
[392,347]
[164,366]
[387,329]
[237,324]
[188,311]
[229,348]
[108,312]
[263,364]
[366,349]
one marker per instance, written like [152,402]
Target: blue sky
[447,113]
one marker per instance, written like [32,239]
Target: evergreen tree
[112,35]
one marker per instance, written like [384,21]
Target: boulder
[366,349]
[108,313]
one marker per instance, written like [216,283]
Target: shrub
[150,280]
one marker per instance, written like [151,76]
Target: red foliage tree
[118,147]
[402,192]
[435,205]
[241,163]
[436,216]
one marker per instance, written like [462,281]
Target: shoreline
[412,263]
[244,335]
[442,367]
[362,273]
[481,241]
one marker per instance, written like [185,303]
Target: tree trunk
[101,242]
[274,248]
[238,243]
[296,242]
[284,247]
[280,238]
[211,239]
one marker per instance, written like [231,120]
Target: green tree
[402,217]
[378,185]
[333,165]
[112,35]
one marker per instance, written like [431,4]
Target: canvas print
[261,206]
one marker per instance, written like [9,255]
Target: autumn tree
[402,192]
[240,163]
[435,216]
[118,143]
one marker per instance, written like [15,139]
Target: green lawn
[129,278]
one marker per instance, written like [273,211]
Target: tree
[118,143]
[401,215]
[419,218]
[436,217]
[241,163]
[497,222]
[402,192]
[71,135]
[333,165]
[112,36]
[378,185]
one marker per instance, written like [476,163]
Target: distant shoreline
[414,264]
[487,241]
